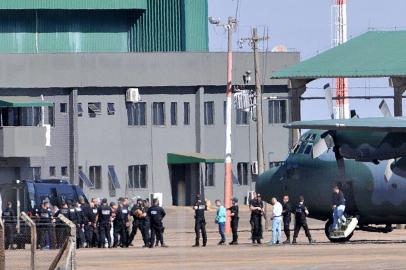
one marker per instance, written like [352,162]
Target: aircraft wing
[384,124]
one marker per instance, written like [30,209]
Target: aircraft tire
[327,232]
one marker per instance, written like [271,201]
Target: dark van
[33,192]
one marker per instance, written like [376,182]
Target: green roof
[72,4]
[373,54]
[191,158]
[22,101]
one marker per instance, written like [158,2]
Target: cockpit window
[313,137]
[307,137]
[296,148]
[301,148]
[308,149]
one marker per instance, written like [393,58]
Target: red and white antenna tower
[342,110]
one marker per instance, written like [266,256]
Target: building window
[277,111]
[110,108]
[136,114]
[242,169]
[209,113]
[137,176]
[52,171]
[63,107]
[158,113]
[30,116]
[209,180]
[95,176]
[51,116]
[186,113]
[36,173]
[80,109]
[174,113]
[64,171]
[94,108]
[242,117]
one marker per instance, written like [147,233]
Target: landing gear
[328,229]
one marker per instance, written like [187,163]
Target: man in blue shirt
[338,202]
[221,221]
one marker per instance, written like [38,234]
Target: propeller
[328,94]
[384,108]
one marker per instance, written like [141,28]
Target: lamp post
[228,178]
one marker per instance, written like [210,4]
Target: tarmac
[366,250]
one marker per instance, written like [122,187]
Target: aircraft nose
[265,184]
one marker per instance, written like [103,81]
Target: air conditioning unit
[132,95]
[254,167]
[156,195]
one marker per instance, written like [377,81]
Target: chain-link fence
[38,244]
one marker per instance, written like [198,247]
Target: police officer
[62,231]
[234,220]
[45,225]
[10,221]
[256,207]
[120,224]
[145,223]
[104,215]
[156,215]
[135,212]
[91,233]
[301,213]
[287,214]
[200,222]
[80,223]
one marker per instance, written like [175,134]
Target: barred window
[209,181]
[277,111]
[137,176]
[158,113]
[136,114]
[209,113]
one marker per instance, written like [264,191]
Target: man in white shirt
[276,221]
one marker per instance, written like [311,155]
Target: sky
[305,26]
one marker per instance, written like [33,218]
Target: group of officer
[256,206]
[96,222]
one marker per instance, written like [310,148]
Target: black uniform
[234,222]
[301,221]
[44,227]
[200,222]
[10,220]
[62,230]
[91,233]
[80,223]
[256,220]
[136,223]
[120,226]
[104,214]
[156,215]
[287,213]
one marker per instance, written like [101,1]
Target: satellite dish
[279,48]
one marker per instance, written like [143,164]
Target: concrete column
[73,137]
[399,87]
[397,104]
[296,90]
[199,119]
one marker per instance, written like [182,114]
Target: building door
[184,183]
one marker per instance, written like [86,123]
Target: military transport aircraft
[366,156]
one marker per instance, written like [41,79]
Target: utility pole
[253,41]
[228,177]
